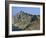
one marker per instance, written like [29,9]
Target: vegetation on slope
[25,21]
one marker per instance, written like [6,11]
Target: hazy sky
[30,10]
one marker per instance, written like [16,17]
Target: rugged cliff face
[25,21]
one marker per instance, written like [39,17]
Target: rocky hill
[25,21]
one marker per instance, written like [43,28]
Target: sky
[29,10]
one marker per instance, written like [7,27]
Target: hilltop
[25,21]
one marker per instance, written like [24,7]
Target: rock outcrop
[25,21]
